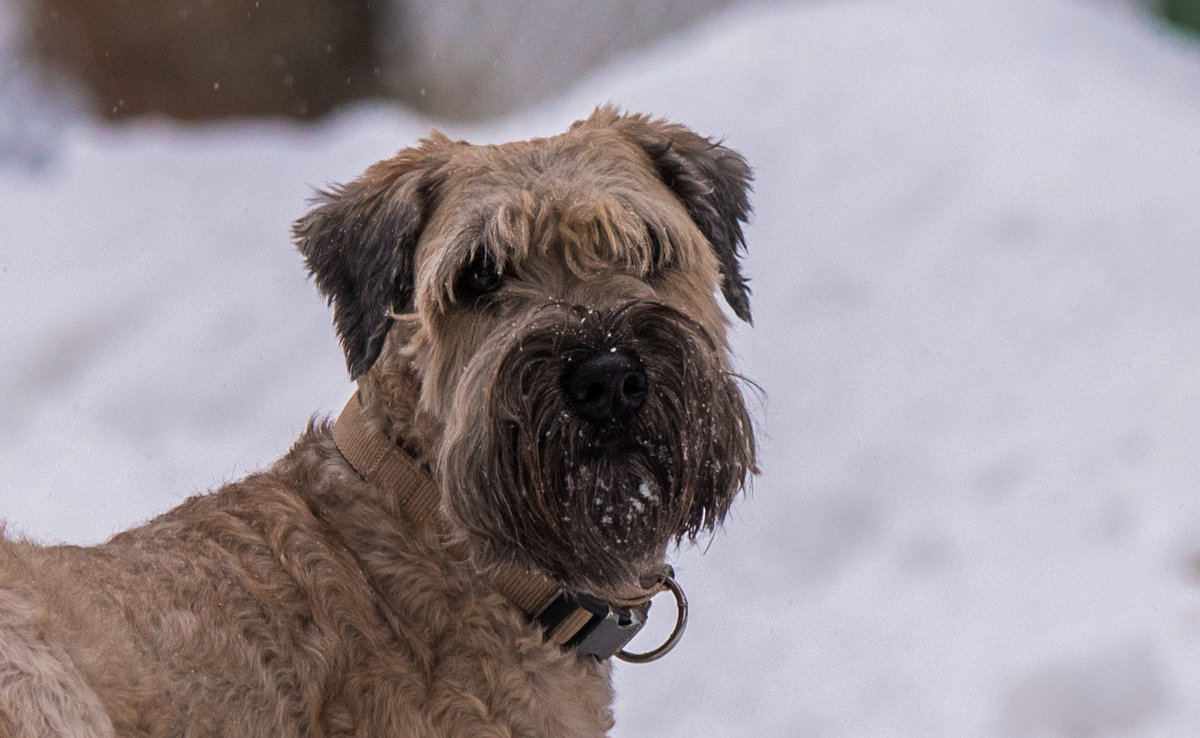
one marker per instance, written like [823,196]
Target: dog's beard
[594,505]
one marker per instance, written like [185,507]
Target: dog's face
[552,304]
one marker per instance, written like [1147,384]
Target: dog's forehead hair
[601,155]
[589,198]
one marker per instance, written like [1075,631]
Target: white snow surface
[976,273]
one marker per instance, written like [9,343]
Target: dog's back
[193,624]
[226,616]
[41,690]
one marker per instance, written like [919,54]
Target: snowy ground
[977,303]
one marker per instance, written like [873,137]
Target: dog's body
[534,323]
[292,603]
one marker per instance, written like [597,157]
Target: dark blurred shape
[464,59]
[196,59]
[1183,13]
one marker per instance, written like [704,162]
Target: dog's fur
[470,285]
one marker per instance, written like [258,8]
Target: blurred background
[976,271]
[197,60]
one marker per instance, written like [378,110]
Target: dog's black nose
[606,386]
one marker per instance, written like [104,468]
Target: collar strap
[581,622]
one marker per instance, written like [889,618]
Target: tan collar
[584,623]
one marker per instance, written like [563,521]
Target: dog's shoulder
[240,602]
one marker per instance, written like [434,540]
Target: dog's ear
[712,181]
[359,244]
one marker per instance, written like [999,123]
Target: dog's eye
[479,278]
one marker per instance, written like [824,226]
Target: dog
[544,405]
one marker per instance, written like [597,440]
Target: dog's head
[543,315]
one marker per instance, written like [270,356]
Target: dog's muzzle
[590,439]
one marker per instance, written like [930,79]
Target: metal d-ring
[681,609]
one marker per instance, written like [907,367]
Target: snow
[974,264]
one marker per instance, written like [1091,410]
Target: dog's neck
[390,394]
[591,626]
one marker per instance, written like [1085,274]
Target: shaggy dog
[544,404]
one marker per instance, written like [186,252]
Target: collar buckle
[606,630]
